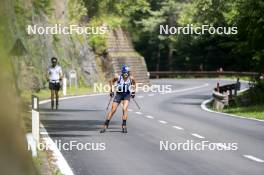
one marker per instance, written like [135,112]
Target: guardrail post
[217,87]
[238,85]
[230,93]
[35,118]
[148,74]
[33,138]
[64,86]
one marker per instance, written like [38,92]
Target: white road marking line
[139,113]
[177,127]
[163,122]
[223,146]
[150,95]
[60,160]
[130,110]
[254,158]
[204,107]
[150,117]
[187,89]
[43,133]
[192,88]
[198,136]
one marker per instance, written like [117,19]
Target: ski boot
[57,105]
[52,104]
[102,130]
[124,130]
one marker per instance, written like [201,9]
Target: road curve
[174,117]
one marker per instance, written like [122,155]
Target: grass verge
[45,93]
[254,111]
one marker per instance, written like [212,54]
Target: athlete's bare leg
[109,116]
[52,92]
[125,115]
[113,110]
[125,111]
[57,99]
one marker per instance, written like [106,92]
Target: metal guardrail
[222,95]
[163,74]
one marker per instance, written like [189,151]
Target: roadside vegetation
[24,58]
[44,94]
[252,111]
[15,159]
[250,103]
[162,52]
[241,52]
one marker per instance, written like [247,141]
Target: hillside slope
[32,53]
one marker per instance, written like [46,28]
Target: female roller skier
[125,89]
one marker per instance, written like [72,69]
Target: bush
[256,94]
[99,42]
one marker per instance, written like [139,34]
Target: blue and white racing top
[122,85]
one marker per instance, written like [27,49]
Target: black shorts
[121,96]
[54,86]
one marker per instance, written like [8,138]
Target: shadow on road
[195,96]
[68,135]
[69,110]
[73,125]
[186,103]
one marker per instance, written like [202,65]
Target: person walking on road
[54,77]
[125,89]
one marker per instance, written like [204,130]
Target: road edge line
[253,158]
[197,135]
[205,108]
[191,88]
[61,162]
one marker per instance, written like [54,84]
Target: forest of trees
[241,52]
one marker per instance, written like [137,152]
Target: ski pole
[109,103]
[136,103]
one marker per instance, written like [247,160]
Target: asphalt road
[174,117]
